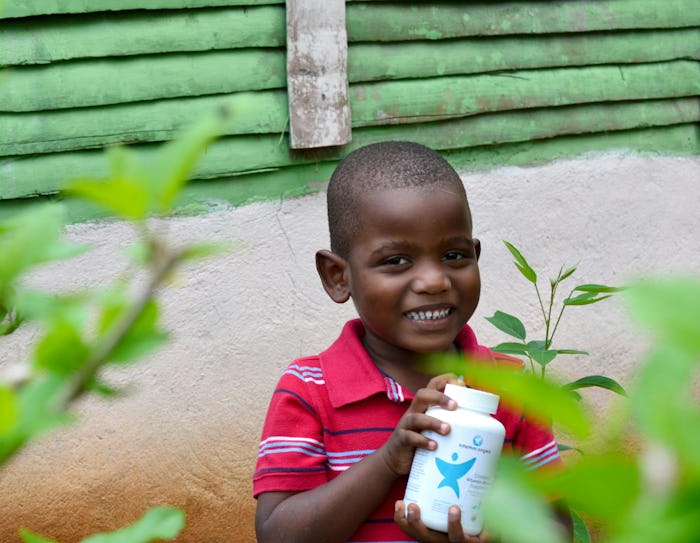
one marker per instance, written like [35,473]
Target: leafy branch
[540,351]
[70,353]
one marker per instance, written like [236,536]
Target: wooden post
[317,83]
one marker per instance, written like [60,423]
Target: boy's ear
[477,247]
[333,272]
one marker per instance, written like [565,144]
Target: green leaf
[539,354]
[50,308]
[510,348]
[571,351]
[670,309]
[514,511]
[522,264]
[561,447]
[543,399]
[36,412]
[665,402]
[597,381]
[8,409]
[598,289]
[125,198]
[581,533]
[586,298]
[31,537]
[568,273]
[176,160]
[28,239]
[11,324]
[62,349]
[157,523]
[602,486]
[142,338]
[203,250]
[509,324]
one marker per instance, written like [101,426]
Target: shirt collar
[351,376]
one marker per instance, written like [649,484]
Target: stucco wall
[186,433]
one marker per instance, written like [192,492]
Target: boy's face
[412,269]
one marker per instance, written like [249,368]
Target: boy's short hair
[377,167]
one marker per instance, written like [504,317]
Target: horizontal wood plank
[393,102]
[421,100]
[405,60]
[20,177]
[215,194]
[29,8]
[398,21]
[159,120]
[33,41]
[130,79]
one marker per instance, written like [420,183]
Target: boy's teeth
[427,315]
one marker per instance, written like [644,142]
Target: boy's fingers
[419,422]
[439,381]
[454,525]
[427,397]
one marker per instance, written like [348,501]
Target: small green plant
[72,350]
[540,351]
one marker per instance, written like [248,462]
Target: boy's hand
[412,524]
[397,452]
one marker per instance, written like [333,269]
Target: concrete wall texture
[186,432]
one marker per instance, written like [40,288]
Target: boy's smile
[412,271]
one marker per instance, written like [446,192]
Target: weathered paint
[317,82]
[242,154]
[401,60]
[28,8]
[214,194]
[147,98]
[52,131]
[32,41]
[418,100]
[84,83]
[391,21]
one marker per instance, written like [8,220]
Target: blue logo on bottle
[452,473]
[478,441]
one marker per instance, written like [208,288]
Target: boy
[342,426]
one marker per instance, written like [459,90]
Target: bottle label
[458,472]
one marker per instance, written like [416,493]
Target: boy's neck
[408,371]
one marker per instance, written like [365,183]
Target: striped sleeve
[537,445]
[292,455]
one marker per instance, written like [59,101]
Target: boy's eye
[455,255]
[395,261]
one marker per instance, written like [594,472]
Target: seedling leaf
[509,324]
[521,263]
[597,381]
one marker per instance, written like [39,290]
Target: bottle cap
[471,398]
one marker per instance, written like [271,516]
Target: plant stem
[563,306]
[165,262]
[539,299]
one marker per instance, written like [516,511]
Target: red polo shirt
[330,411]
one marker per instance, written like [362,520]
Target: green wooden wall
[486,83]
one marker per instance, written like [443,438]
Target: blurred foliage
[636,496]
[72,349]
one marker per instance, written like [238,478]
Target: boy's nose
[431,280]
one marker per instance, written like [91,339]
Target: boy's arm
[329,513]
[333,511]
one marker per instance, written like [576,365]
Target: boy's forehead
[377,203]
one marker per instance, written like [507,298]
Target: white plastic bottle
[462,467]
